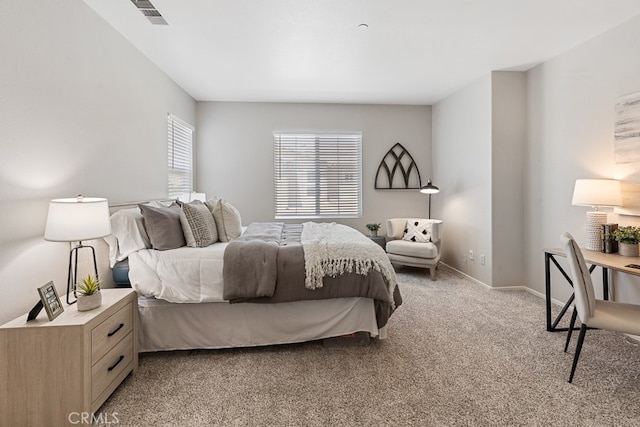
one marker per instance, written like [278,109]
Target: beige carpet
[457,354]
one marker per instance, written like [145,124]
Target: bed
[264,284]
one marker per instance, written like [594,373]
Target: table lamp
[190,197]
[596,193]
[74,220]
[429,189]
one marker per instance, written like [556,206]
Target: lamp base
[593,229]
[72,278]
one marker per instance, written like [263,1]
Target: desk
[607,262]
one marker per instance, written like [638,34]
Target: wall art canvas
[627,151]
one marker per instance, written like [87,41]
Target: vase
[89,302]
[628,249]
[373,233]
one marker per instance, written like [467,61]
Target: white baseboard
[465,275]
[503,288]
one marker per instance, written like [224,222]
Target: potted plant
[373,229]
[89,296]
[627,237]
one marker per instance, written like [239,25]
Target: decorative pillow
[418,230]
[198,224]
[127,235]
[227,217]
[163,226]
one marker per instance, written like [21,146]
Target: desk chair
[614,316]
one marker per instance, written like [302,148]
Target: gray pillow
[198,225]
[227,217]
[163,226]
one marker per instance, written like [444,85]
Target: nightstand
[54,371]
[380,240]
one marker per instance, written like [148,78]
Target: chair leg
[583,331]
[432,271]
[571,325]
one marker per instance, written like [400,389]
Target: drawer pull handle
[111,368]
[112,333]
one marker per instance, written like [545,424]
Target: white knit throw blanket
[332,249]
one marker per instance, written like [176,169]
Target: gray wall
[570,115]
[81,111]
[508,130]
[508,148]
[235,152]
[462,170]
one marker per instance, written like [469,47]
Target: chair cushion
[616,316]
[417,230]
[412,249]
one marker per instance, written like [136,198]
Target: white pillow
[128,234]
[198,225]
[227,217]
[417,230]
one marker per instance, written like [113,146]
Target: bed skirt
[170,326]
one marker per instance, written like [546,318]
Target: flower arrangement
[373,227]
[627,234]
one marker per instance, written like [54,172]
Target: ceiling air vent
[150,12]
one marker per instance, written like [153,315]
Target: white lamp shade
[80,218]
[597,192]
[190,197]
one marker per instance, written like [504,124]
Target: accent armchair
[415,242]
[594,313]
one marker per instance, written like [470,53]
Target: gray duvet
[266,264]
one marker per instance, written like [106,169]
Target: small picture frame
[50,300]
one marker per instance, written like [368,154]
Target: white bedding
[183,275]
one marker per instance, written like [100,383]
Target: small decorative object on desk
[609,243]
[627,237]
[373,229]
[49,300]
[89,296]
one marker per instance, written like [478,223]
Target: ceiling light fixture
[363,26]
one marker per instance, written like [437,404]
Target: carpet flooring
[457,354]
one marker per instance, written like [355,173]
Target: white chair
[411,253]
[594,313]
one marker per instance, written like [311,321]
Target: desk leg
[552,325]
[547,288]
[605,283]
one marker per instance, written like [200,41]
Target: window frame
[179,177]
[322,183]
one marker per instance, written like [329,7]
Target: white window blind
[180,156]
[318,175]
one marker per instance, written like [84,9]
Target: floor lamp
[429,189]
[596,193]
[75,220]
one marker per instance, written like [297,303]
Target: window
[180,157]
[318,175]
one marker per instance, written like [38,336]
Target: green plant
[89,286]
[373,227]
[627,234]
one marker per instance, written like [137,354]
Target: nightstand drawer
[111,366]
[108,333]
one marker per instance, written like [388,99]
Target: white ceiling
[413,52]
